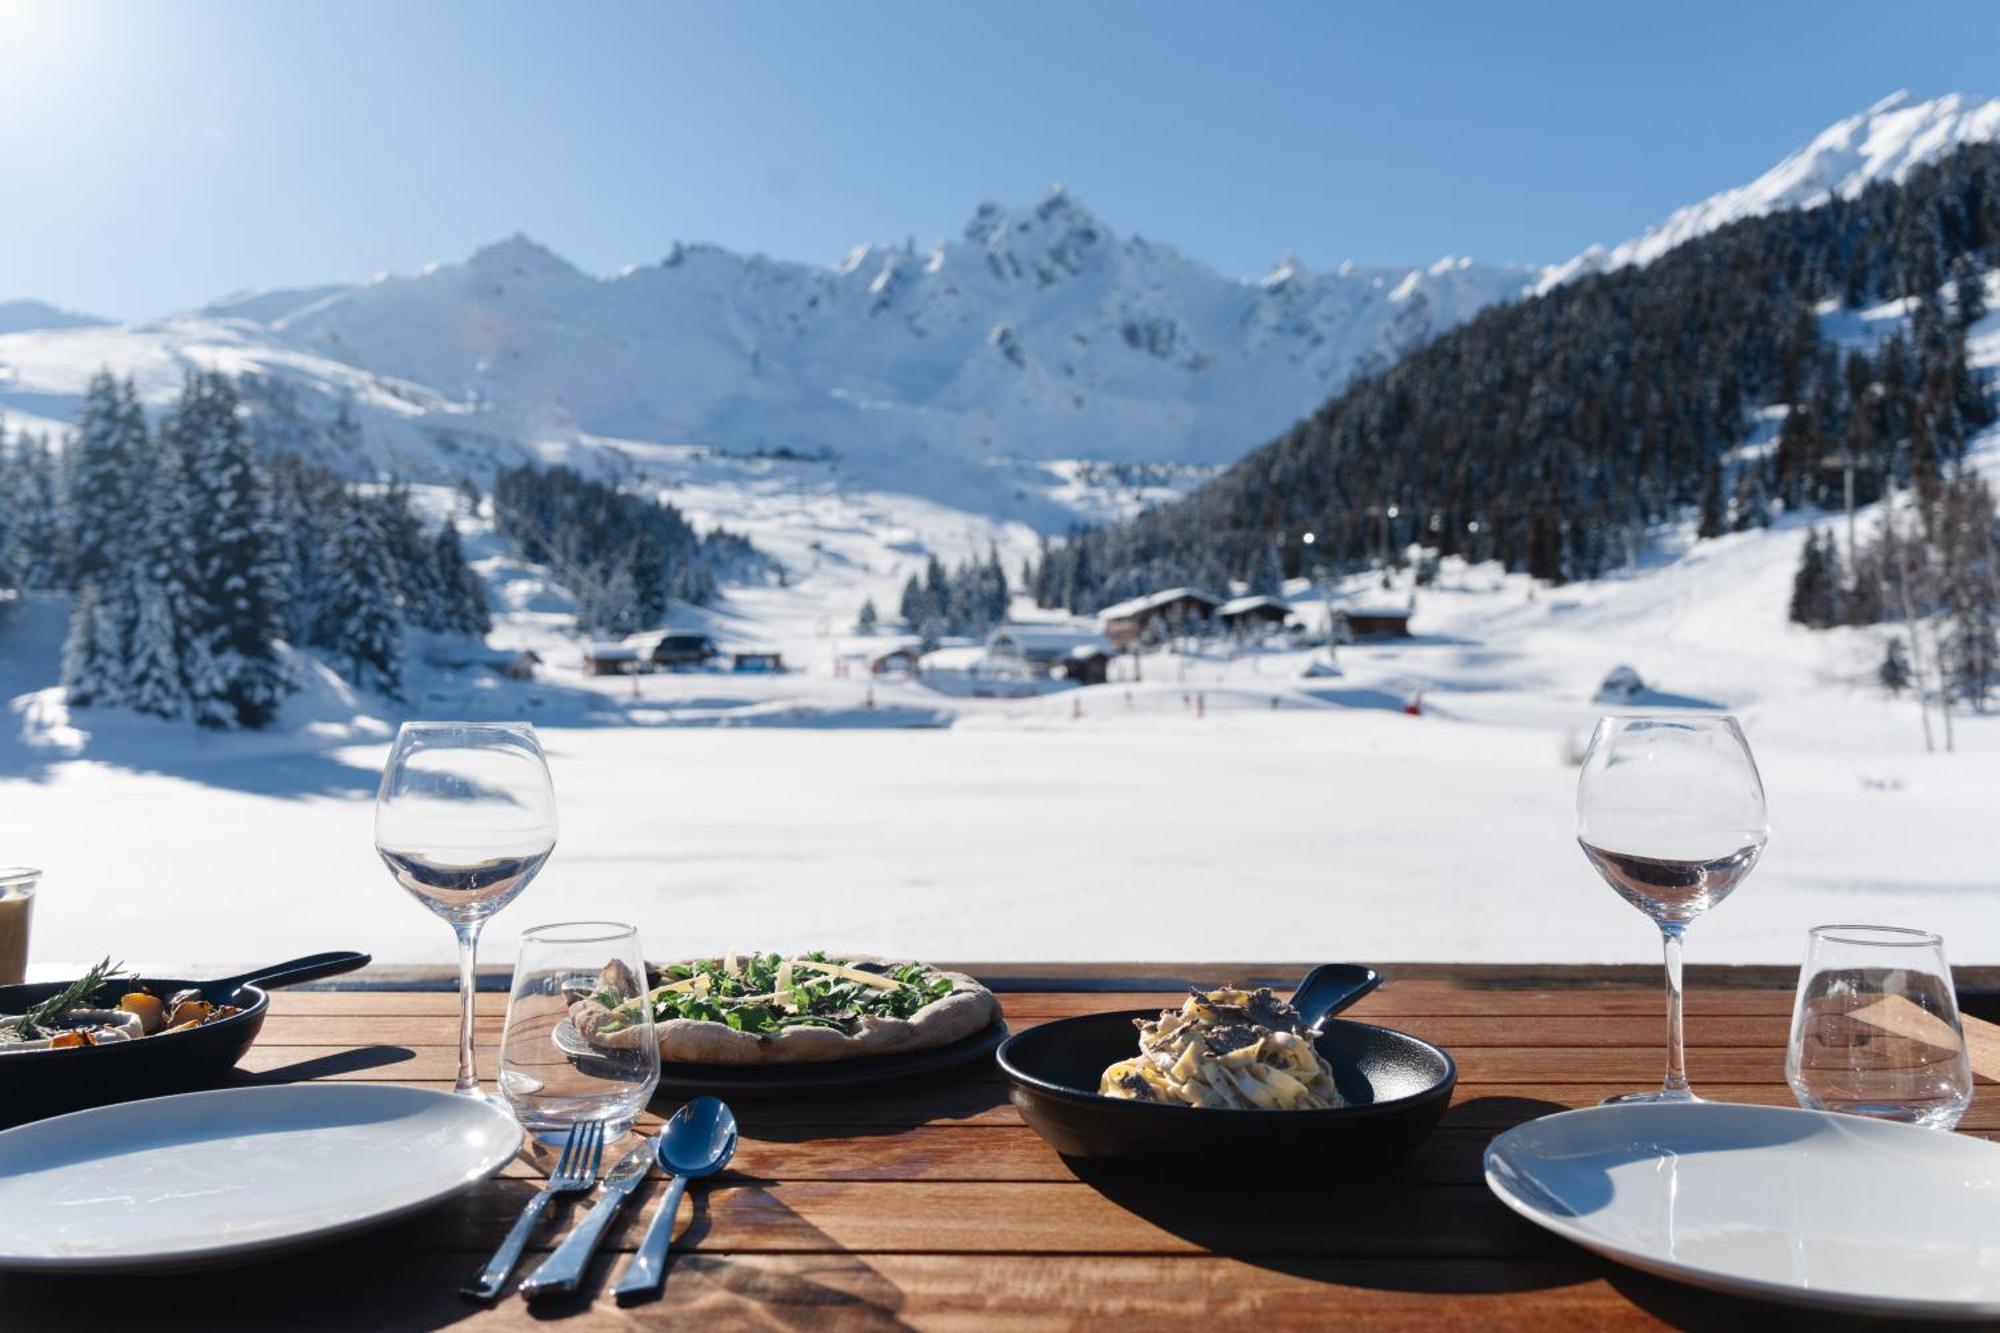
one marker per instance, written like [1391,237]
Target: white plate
[210,1177]
[1800,1206]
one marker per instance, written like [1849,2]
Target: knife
[562,1271]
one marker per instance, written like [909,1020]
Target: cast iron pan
[1396,1087]
[34,1084]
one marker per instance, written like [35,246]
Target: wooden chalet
[682,650]
[610,659]
[1376,622]
[1087,665]
[1251,615]
[902,659]
[1043,648]
[1174,610]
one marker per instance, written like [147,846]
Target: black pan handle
[312,967]
[1330,988]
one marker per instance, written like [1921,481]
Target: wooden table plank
[725,1291]
[931,1205]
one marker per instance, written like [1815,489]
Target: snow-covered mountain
[16,316]
[1038,334]
[1882,143]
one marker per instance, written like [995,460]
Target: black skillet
[34,1084]
[1395,1086]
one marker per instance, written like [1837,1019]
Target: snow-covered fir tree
[359,625]
[461,607]
[235,574]
[110,436]
[93,670]
[41,550]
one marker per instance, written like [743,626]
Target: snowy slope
[1882,143]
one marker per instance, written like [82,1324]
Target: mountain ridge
[1037,334]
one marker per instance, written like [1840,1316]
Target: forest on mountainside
[623,557]
[192,557]
[1552,433]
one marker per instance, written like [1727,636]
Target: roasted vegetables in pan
[75,1016]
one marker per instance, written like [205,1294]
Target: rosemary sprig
[29,1025]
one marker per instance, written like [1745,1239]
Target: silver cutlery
[698,1141]
[563,1270]
[575,1171]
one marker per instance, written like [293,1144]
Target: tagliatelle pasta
[1230,1049]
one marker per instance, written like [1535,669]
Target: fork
[575,1171]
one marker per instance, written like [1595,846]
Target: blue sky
[155,155]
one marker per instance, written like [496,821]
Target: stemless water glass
[464,818]
[1670,811]
[553,1075]
[1875,1029]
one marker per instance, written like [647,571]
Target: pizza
[771,1008]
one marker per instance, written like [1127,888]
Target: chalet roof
[1376,612]
[1053,639]
[611,652]
[1237,606]
[1153,601]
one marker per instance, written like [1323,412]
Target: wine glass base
[1651,1099]
[479,1094]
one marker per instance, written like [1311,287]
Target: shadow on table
[404,1278]
[1682,1306]
[1425,1222]
[820,1287]
[888,1108]
[327,1066]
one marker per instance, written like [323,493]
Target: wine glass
[464,818]
[1671,812]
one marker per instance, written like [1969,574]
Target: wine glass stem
[468,990]
[1676,1085]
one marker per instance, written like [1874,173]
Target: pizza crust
[969,1008]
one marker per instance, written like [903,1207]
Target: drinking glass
[17,908]
[464,818]
[1671,812]
[553,1075]
[1875,1028]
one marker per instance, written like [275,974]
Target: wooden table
[931,1205]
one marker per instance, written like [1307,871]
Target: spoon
[698,1141]
[1330,988]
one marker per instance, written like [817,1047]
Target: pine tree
[1713,518]
[305,500]
[1269,580]
[1813,585]
[110,435]
[235,569]
[462,598]
[359,625]
[41,553]
[153,663]
[411,557]
[1894,673]
[915,607]
[866,622]
[92,669]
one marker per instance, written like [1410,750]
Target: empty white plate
[1799,1206]
[210,1177]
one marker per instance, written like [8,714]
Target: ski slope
[1227,806]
